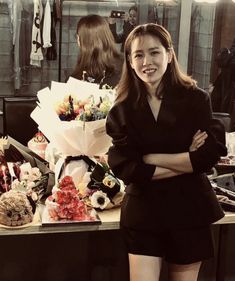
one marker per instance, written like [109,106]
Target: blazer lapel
[143,118]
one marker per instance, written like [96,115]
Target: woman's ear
[170,56]
[78,41]
[129,59]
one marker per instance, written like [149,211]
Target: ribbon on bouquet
[85,158]
[101,177]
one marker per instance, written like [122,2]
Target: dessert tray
[46,220]
[227,161]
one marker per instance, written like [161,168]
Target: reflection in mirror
[72,11]
[211,27]
[201,42]
[168,14]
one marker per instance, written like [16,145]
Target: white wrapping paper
[72,138]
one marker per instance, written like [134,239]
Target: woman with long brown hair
[99,60]
[169,203]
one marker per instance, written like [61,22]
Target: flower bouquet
[72,116]
[65,205]
[99,188]
[22,186]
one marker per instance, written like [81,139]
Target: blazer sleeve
[207,155]
[124,157]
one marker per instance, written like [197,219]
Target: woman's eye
[138,56]
[154,53]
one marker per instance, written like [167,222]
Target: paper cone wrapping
[75,137]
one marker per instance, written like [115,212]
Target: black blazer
[185,200]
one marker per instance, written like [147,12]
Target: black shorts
[182,246]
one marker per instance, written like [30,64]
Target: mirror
[198,30]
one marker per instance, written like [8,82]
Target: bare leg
[144,268]
[187,272]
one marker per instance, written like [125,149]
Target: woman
[169,203]
[130,22]
[99,60]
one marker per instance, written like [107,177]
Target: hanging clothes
[51,53]
[25,43]
[58,9]
[46,33]
[36,55]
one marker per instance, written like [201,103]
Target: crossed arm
[169,165]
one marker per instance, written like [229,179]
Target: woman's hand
[198,140]
[111,20]
[177,162]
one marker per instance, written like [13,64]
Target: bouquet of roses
[65,203]
[22,184]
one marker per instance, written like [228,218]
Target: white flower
[30,185]
[35,174]
[99,199]
[109,181]
[28,173]
[15,184]
[25,171]
[19,186]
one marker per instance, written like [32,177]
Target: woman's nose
[146,60]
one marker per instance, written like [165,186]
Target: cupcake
[38,144]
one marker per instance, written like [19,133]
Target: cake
[15,209]
[38,144]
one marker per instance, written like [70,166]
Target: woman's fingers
[201,137]
[198,140]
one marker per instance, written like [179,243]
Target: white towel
[46,33]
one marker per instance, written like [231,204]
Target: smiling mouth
[149,71]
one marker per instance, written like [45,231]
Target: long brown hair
[173,74]
[97,48]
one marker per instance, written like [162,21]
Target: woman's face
[149,60]
[133,17]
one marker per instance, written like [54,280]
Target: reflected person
[99,60]
[130,22]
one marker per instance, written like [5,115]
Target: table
[110,222]
[64,253]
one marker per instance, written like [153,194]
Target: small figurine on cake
[38,144]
